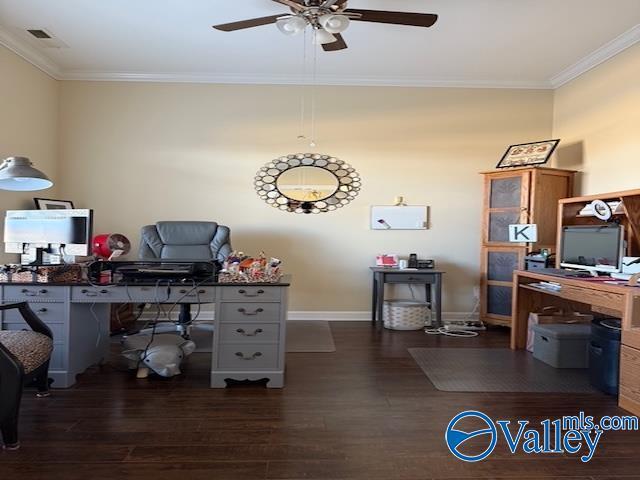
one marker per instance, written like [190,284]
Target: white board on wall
[399,218]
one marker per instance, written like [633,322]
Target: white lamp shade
[17,174]
[322,37]
[334,23]
[291,26]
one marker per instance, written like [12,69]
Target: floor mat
[496,370]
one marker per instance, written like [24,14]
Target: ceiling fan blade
[254,22]
[395,18]
[292,4]
[339,44]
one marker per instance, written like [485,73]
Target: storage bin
[562,345]
[604,355]
[406,315]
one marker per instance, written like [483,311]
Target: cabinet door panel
[499,225]
[506,192]
[499,300]
[501,264]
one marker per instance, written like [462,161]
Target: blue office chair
[194,241]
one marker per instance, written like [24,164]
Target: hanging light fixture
[334,23]
[292,26]
[322,37]
[17,174]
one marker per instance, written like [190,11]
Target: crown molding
[595,58]
[329,80]
[41,61]
[29,53]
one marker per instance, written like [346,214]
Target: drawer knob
[252,357]
[43,291]
[242,332]
[89,293]
[43,310]
[247,294]
[256,312]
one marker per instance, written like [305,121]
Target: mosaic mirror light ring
[347,184]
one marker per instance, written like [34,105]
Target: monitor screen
[592,247]
[71,228]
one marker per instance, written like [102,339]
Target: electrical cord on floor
[450,333]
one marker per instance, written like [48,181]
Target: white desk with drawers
[249,324]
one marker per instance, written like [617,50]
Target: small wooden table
[431,279]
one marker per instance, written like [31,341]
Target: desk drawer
[190,294]
[31,293]
[249,312]
[99,294]
[410,278]
[630,375]
[47,312]
[251,294]
[247,357]
[247,333]
[58,330]
[613,301]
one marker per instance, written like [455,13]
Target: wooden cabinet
[523,195]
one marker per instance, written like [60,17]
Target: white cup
[402,264]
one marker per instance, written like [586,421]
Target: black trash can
[604,354]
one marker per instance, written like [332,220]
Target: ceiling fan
[328,18]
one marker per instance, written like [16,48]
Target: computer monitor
[598,248]
[42,236]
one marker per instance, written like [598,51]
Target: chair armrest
[29,316]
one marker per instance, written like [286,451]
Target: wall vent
[41,34]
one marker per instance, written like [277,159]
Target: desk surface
[577,282]
[404,270]
[284,282]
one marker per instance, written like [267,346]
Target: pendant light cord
[313,94]
[303,88]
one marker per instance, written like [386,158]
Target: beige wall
[597,116]
[28,125]
[142,152]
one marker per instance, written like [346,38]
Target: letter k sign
[526,233]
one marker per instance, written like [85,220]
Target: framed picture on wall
[51,204]
[527,154]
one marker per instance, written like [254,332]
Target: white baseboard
[332,316]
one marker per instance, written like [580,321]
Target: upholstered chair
[24,359]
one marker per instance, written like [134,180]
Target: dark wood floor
[364,412]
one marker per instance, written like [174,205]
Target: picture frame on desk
[528,154]
[52,204]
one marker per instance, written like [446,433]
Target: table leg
[374,299]
[436,294]
[380,295]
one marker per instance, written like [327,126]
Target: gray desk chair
[191,241]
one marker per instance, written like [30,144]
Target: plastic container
[604,354]
[562,345]
[405,315]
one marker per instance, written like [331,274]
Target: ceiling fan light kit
[334,23]
[328,18]
[292,25]
[322,37]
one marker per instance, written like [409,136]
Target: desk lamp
[17,174]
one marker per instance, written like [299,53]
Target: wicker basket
[406,315]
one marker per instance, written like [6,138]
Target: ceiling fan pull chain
[313,95]
[303,88]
